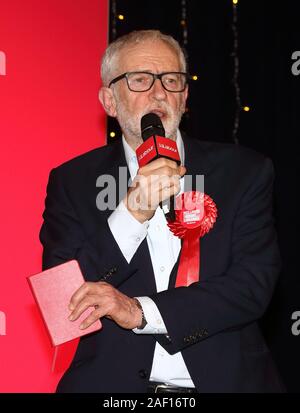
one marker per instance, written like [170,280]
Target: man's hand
[154,183]
[108,302]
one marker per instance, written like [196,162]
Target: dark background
[267,34]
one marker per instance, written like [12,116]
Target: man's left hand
[108,302]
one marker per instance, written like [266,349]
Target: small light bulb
[112,134]
[235,1]
[195,77]
[120,17]
[246,108]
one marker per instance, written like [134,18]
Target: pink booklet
[52,290]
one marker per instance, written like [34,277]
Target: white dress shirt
[164,248]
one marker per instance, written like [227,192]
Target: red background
[49,112]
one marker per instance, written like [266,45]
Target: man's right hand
[154,183]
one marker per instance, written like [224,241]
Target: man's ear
[185,96]
[186,92]
[107,99]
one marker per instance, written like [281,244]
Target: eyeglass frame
[154,77]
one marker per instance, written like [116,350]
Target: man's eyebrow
[151,71]
[140,70]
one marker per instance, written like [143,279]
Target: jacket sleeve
[63,239]
[241,294]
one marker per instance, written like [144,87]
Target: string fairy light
[183,23]
[114,20]
[236,69]
[184,27]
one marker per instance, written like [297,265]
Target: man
[155,337]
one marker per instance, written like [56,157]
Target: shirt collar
[131,158]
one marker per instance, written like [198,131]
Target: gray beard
[131,128]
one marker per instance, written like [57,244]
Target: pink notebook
[52,290]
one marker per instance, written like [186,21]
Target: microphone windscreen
[151,125]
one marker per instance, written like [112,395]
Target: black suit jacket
[212,322]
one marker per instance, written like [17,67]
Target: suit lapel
[197,159]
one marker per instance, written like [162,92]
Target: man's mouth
[160,113]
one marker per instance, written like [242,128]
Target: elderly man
[155,336]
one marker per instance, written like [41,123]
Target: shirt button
[162,268]
[158,321]
[138,239]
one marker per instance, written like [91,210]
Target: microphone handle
[170,215]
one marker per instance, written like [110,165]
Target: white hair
[109,59]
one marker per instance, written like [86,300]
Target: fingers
[162,166]
[168,186]
[159,163]
[161,176]
[154,183]
[150,191]
[92,318]
[79,295]
[84,304]
[107,302]
[90,294]
[182,170]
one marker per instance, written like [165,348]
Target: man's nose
[157,90]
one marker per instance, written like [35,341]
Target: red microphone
[155,146]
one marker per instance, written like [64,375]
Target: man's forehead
[156,51]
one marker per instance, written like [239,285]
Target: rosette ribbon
[195,215]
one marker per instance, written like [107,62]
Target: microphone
[155,146]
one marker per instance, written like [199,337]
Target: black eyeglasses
[143,81]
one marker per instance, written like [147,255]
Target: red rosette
[195,216]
